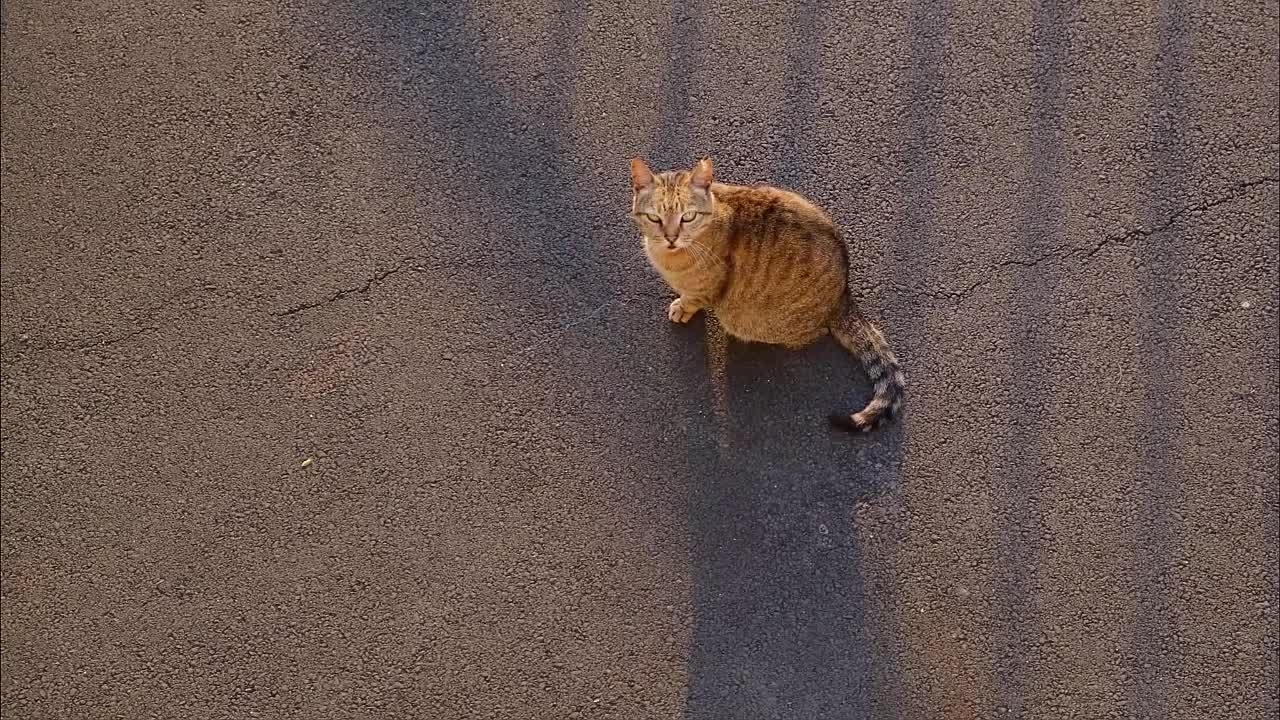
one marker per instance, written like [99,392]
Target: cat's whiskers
[702,251]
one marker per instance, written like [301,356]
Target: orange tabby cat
[768,262]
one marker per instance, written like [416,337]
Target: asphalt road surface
[335,384]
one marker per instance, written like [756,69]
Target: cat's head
[671,208]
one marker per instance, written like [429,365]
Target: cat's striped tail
[857,335]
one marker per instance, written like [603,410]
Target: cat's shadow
[779,623]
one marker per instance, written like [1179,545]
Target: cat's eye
[653,218]
[689,216]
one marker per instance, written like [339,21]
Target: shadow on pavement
[779,621]
[924,131]
[500,162]
[1020,485]
[777,595]
[1161,262]
[780,628]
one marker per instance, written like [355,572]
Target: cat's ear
[641,175]
[702,174]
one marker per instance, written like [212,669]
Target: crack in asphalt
[1062,252]
[1066,251]
[411,264]
[341,293]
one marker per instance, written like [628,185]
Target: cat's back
[788,263]
[764,208]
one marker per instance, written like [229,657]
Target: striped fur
[857,335]
[769,263]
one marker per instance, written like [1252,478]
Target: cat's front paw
[681,310]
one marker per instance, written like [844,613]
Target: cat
[769,263]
